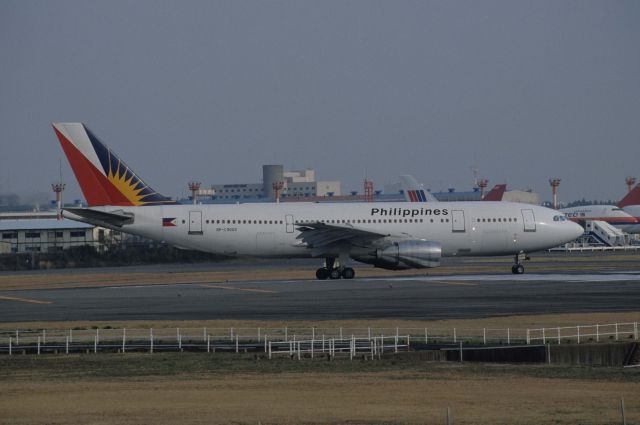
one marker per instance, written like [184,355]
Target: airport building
[289,184]
[43,232]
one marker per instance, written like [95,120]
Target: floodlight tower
[277,188]
[368,190]
[555,182]
[194,187]
[482,184]
[57,189]
[630,181]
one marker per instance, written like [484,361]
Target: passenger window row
[496,220]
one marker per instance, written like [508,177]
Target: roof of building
[42,224]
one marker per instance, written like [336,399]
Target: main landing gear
[518,268]
[332,270]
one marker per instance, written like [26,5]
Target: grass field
[204,389]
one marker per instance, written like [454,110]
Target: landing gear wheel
[334,274]
[348,273]
[517,269]
[322,273]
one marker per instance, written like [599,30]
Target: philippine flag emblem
[169,222]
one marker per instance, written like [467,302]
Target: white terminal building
[43,232]
[295,184]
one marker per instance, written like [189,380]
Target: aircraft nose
[574,230]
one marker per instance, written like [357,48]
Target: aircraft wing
[324,238]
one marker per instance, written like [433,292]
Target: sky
[210,90]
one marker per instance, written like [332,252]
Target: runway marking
[445,282]
[552,277]
[24,300]
[263,291]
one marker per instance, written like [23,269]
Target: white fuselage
[272,230]
[611,214]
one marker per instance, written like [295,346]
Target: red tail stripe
[95,187]
[632,198]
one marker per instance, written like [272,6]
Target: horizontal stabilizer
[99,218]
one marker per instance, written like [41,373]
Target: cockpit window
[559,218]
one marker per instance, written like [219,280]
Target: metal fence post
[426,336]
[340,332]
[269,350]
[10,344]
[204,334]
[38,345]
[528,337]
[298,350]
[484,336]
[635,330]
[616,331]
[17,337]
[508,336]
[124,336]
[44,337]
[265,343]
[578,334]
[97,335]
[95,344]
[454,336]
[237,345]
[558,335]
[66,346]
[597,333]
[544,337]
[208,343]
[151,340]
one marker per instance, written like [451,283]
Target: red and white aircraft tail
[103,177]
[631,198]
[496,193]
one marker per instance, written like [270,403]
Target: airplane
[624,216]
[414,191]
[391,236]
[608,213]
[631,205]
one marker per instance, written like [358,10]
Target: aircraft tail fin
[103,177]
[496,193]
[631,198]
[414,191]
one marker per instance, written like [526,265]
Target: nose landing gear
[518,268]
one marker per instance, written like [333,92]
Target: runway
[460,296]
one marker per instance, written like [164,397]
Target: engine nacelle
[409,254]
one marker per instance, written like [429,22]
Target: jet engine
[407,254]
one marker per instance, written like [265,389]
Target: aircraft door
[289,221]
[457,220]
[195,222]
[529,221]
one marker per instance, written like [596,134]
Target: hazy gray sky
[211,90]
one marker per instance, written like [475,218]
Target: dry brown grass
[513,322]
[292,398]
